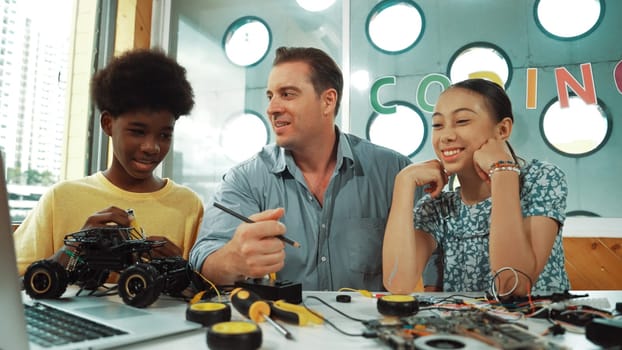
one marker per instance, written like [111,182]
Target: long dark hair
[496,100]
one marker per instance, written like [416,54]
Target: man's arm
[253,251]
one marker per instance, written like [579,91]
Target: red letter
[617,76]
[564,78]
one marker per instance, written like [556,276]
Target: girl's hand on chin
[430,174]
[490,152]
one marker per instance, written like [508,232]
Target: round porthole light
[480,60]
[403,131]
[360,79]
[243,135]
[394,26]
[569,19]
[577,130]
[246,41]
[315,5]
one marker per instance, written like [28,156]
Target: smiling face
[140,141]
[461,123]
[299,116]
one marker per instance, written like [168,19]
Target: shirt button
[323,225]
[323,259]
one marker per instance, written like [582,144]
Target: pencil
[245,219]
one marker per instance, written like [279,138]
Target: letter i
[531,99]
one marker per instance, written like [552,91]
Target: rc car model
[96,252]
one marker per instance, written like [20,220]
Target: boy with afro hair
[140,94]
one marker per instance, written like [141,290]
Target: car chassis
[96,252]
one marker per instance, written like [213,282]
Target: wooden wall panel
[133,25]
[594,263]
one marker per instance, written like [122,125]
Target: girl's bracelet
[513,168]
[502,163]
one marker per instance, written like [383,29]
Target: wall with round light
[559,61]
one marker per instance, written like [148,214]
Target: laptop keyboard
[47,326]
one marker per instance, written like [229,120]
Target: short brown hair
[325,73]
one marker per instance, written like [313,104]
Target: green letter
[422,89]
[373,95]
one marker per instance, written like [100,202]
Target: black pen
[245,219]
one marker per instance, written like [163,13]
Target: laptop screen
[13,329]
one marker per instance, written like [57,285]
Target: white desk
[577,227]
[325,337]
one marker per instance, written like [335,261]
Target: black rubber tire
[397,305]
[234,335]
[45,279]
[139,285]
[208,313]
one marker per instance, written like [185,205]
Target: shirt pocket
[362,240]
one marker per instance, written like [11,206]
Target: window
[247,41]
[575,131]
[570,19]
[480,60]
[243,135]
[36,46]
[403,131]
[315,5]
[394,26]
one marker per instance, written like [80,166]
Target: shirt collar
[280,159]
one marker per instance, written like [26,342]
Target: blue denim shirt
[341,241]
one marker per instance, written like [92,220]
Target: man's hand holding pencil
[258,243]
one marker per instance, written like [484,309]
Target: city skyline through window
[34,57]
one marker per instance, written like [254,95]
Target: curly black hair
[142,80]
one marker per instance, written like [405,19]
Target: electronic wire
[364,334]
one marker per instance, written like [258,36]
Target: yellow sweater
[174,211]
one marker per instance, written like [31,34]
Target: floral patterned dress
[463,231]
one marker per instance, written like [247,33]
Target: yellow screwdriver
[248,304]
[294,314]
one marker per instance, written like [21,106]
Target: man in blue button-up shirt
[325,189]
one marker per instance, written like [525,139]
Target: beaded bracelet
[502,163]
[513,168]
[504,168]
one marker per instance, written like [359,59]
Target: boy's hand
[106,216]
[168,249]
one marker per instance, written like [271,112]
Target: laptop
[128,324]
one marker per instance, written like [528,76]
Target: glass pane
[221,132]
[477,60]
[243,135]
[403,131]
[247,41]
[360,79]
[569,19]
[395,26]
[576,130]
[34,64]
[315,5]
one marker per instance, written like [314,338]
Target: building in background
[34,52]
